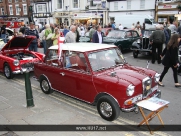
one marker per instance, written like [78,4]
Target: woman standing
[170,59]
[55,36]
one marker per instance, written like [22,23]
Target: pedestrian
[65,31]
[138,29]
[55,36]
[92,31]
[133,26]
[172,27]
[43,40]
[170,59]
[48,36]
[143,29]
[98,35]
[156,40]
[77,34]
[3,33]
[82,32]
[113,26]
[33,32]
[120,27]
[71,36]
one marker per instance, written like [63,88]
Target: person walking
[120,27]
[77,33]
[32,31]
[156,40]
[65,31]
[92,31]
[43,40]
[71,36]
[170,59]
[48,35]
[138,29]
[55,36]
[98,35]
[113,26]
[3,33]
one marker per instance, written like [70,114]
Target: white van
[128,20]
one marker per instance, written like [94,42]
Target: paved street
[60,109]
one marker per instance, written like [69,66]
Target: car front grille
[27,65]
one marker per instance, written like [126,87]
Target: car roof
[82,47]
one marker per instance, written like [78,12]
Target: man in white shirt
[70,36]
[98,35]
[120,27]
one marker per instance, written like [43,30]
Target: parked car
[142,45]
[121,38]
[106,31]
[15,58]
[97,74]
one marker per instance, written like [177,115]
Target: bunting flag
[60,43]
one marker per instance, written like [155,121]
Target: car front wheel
[8,72]
[108,108]
[45,86]
[135,54]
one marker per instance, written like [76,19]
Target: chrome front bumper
[22,70]
[135,108]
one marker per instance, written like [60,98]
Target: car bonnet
[18,42]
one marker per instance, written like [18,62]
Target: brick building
[15,10]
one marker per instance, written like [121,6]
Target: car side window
[52,58]
[76,60]
[128,34]
[135,34]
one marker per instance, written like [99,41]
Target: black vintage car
[122,38]
[142,45]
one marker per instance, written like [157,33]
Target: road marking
[85,107]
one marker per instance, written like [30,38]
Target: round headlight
[16,62]
[157,77]
[130,90]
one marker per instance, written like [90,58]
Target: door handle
[63,74]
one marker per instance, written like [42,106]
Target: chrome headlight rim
[157,77]
[130,90]
[16,62]
[146,84]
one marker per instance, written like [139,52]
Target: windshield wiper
[100,69]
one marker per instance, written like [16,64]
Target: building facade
[42,12]
[80,11]
[131,7]
[166,10]
[14,10]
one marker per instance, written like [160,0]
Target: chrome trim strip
[128,110]
[21,71]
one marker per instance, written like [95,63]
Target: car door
[77,77]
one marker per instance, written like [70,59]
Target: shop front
[88,18]
[166,12]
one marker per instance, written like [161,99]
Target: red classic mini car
[16,59]
[97,74]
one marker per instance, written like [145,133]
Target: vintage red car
[15,58]
[97,74]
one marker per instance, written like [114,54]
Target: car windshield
[106,59]
[148,33]
[116,34]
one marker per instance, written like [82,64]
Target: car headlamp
[16,62]
[157,77]
[130,90]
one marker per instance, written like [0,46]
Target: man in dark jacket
[98,35]
[157,39]
[33,32]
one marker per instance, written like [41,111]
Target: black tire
[113,105]
[45,86]
[7,71]
[135,54]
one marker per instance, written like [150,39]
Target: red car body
[99,86]
[16,59]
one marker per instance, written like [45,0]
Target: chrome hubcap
[7,71]
[106,109]
[45,85]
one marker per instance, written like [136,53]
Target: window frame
[11,11]
[116,5]
[17,9]
[128,4]
[142,4]
[73,1]
[9,1]
[25,13]
[60,4]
